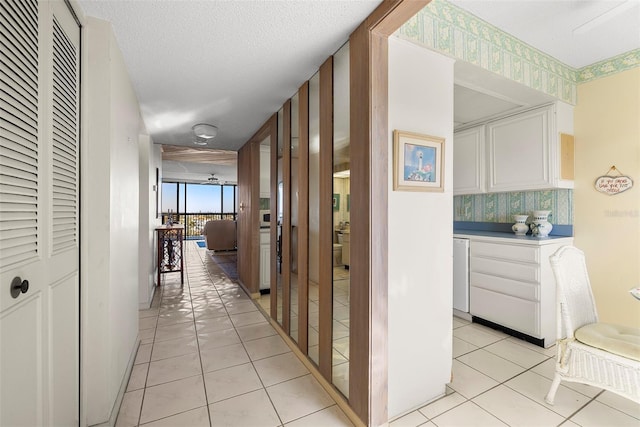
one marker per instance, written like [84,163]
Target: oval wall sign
[613,184]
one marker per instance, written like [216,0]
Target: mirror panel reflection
[265,227]
[314,217]
[341,221]
[293,280]
[280,214]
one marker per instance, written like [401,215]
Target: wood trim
[286,221]
[392,14]
[378,202]
[567,156]
[325,299]
[359,314]
[303,218]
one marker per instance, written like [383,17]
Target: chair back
[573,289]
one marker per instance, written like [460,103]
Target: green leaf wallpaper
[500,207]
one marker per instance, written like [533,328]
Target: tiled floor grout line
[547,357]
[146,378]
[499,382]
[242,342]
[195,327]
[582,407]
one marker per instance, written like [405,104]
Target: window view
[194,204]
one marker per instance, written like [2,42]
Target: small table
[170,250]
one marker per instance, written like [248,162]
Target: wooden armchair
[594,353]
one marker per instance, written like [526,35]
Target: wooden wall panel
[303,219]
[248,232]
[359,348]
[326,218]
[248,241]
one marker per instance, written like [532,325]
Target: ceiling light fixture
[199,141]
[206,131]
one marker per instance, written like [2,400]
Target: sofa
[220,235]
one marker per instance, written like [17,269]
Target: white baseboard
[462,315]
[123,388]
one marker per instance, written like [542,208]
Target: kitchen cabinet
[519,152]
[524,150]
[265,258]
[469,161]
[512,284]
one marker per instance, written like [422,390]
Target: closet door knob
[19,286]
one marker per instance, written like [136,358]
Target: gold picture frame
[418,162]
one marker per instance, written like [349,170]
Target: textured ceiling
[233,63]
[227,63]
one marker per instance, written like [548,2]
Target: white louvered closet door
[39,180]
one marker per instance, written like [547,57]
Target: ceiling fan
[213,180]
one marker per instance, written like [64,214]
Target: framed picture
[418,162]
[336,202]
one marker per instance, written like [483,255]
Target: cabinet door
[468,161]
[519,152]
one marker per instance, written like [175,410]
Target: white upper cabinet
[469,161]
[519,152]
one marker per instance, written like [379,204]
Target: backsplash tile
[500,207]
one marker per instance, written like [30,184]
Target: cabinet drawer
[265,237]
[506,269]
[515,313]
[518,289]
[504,251]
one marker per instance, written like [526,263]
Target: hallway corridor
[208,356]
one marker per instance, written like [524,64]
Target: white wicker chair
[603,355]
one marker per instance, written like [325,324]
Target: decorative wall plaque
[613,184]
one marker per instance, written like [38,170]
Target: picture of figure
[419,163]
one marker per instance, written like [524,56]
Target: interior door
[39,286]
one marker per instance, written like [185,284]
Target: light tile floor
[499,380]
[208,357]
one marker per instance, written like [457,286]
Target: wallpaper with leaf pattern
[448,29]
[500,207]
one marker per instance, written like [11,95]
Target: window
[184,198]
[169,196]
[228,198]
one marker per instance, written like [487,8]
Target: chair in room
[220,235]
[599,354]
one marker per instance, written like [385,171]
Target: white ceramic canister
[540,226]
[520,227]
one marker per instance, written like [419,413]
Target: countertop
[510,237]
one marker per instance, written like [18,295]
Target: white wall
[150,159]
[110,207]
[420,234]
